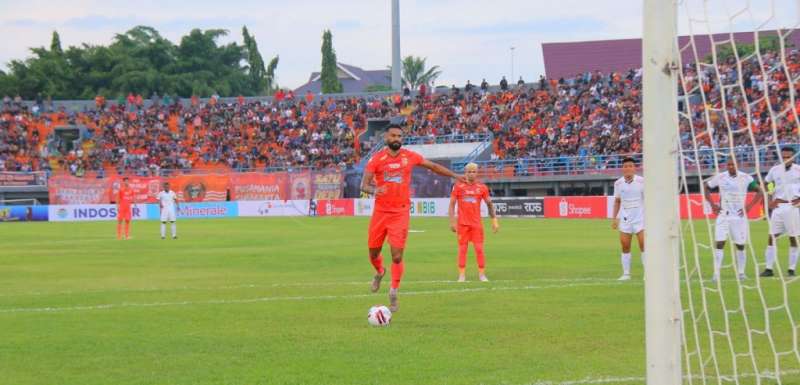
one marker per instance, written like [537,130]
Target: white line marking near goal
[278,285]
[416,231]
[641,380]
[299,298]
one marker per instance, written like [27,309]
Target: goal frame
[663,314]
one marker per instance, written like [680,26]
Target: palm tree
[414,73]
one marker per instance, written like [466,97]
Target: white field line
[279,285]
[641,380]
[301,298]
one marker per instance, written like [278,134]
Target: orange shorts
[388,224]
[124,213]
[468,234]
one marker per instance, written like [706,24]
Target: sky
[468,39]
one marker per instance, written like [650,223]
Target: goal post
[660,151]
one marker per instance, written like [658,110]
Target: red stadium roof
[573,58]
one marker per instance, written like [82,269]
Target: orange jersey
[468,197]
[394,173]
[125,196]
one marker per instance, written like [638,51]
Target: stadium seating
[588,116]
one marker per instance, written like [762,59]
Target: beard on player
[394,145]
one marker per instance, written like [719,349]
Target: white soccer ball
[379,315]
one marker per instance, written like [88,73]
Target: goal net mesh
[738,74]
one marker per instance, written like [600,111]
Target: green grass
[284,301]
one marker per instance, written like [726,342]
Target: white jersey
[732,191]
[167,200]
[783,180]
[630,194]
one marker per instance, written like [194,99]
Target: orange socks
[377,263]
[397,274]
[462,256]
[127,229]
[480,256]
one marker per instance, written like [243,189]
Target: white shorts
[785,220]
[734,226]
[167,215]
[631,222]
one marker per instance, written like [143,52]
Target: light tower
[396,45]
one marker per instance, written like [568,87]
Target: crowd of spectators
[589,115]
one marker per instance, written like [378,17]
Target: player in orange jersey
[124,205]
[388,177]
[468,196]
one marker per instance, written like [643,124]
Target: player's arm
[615,221]
[451,212]
[707,194]
[492,214]
[175,199]
[757,198]
[441,170]
[367,184]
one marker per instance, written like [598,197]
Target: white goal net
[738,73]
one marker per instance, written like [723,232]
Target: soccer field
[284,301]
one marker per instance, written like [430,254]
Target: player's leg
[776,228]
[397,231]
[792,255]
[164,219]
[127,229]
[625,258]
[119,227]
[174,229]
[739,234]
[463,246]
[480,256]
[721,231]
[376,235]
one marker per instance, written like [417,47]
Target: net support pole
[660,147]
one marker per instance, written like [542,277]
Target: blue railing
[441,139]
[705,158]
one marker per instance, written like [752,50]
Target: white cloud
[468,39]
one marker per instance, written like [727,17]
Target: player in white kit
[168,204]
[731,213]
[785,217]
[629,213]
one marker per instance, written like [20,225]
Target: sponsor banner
[518,207]
[253,186]
[69,190]
[144,188]
[576,207]
[99,212]
[20,179]
[429,207]
[274,208]
[300,185]
[198,210]
[327,184]
[23,213]
[363,207]
[200,188]
[335,207]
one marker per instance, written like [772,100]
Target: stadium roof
[354,79]
[572,58]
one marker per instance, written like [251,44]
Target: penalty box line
[302,298]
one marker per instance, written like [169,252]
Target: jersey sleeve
[372,165]
[454,191]
[713,182]
[770,177]
[616,190]
[485,194]
[417,158]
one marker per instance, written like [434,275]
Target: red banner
[300,185]
[327,184]
[69,190]
[335,207]
[200,188]
[252,186]
[576,207]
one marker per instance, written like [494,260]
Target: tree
[328,74]
[141,61]
[766,43]
[261,78]
[414,73]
